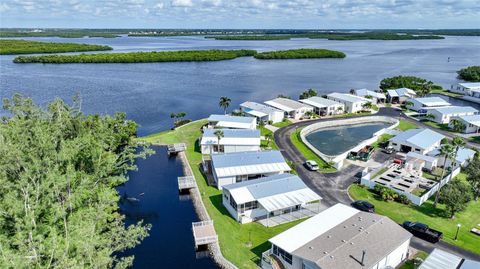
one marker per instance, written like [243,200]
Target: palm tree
[269,138]
[367,105]
[352,91]
[408,103]
[429,117]
[447,151]
[224,103]
[219,134]
[458,143]
[458,126]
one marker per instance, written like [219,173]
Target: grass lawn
[233,237]
[447,93]
[475,139]
[308,154]
[434,217]
[353,114]
[404,125]
[283,123]
[382,139]
[441,126]
[264,131]
[410,263]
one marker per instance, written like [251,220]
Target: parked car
[422,231]
[389,150]
[311,165]
[363,206]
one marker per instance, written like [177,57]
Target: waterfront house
[376,97]
[229,168]
[440,259]
[260,199]
[399,96]
[263,113]
[352,103]
[233,140]
[420,141]
[444,114]
[471,89]
[342,237]
[231,122]
[292,109]
[423,103]
[471,123]
[323,106]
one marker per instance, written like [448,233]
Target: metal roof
[231,137]
[320,102]
[462,155]
[421,138]
[366,92]
[331,238]
[415,155]
[228,121]
[273,192]
[455,109]
[249,163]
[471,119]
[253,107]
[392,93]
[401,92]
[432,101]
[347,97]
[471,85]
[286,104]
[440,259]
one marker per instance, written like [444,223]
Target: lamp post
[458,228]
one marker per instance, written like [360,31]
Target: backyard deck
[176,148]
[186,183]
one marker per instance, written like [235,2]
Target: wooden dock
[176,148]
[186,183]
[204,233]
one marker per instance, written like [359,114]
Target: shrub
[402,198]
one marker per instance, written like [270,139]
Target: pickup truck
[423,231]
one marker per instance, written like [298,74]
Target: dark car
[422,230]
[364,206]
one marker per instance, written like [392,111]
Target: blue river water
[149,92]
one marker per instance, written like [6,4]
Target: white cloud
[182,3]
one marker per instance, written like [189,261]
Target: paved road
[333,187]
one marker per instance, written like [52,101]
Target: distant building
[423,103]
[231,122]
[399,96]
[420,141]
[463,156]
[440,259]
[233,140]
[236,167]
[324,107]
[262,198]
[444,114]
[352,103]
[377,97]
[262,112]
[342,237]
[291,108]
[471,123]
[468,89]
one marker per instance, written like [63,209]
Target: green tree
[447,151]
[457,143]
[58,172]
[308,93]
[457,125]
[224,103]
[455,196]
[367,105]
[269,138]
[429,116]
[408,103]
[473,176]
[219,134]
[419,85]
[471,73]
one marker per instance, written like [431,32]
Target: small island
[471,73]
[19,46]
[139,57]
[300,54]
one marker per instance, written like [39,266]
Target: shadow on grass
[258,250]
[217,203]
[197,146]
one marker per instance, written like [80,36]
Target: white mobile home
[420,141]
[399,96]
[440,259]
[231,122]
[291,108]
[324,107]
[376,97]
[262,112]
[270,196]
[468,89]
[342,237]
[236,167]
[444,114]
[233,140]
[471,123]
[462,158]
[352,103]
[426,102]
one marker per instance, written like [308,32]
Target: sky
[253,14]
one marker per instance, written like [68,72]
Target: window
[282,254]
[417,150]
[233,204]
[248,206]
[395,144]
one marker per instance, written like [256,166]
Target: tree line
[300,54]
[471,73]
[14,46]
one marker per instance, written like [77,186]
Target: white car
[311,165]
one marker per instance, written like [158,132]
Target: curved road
[333,187]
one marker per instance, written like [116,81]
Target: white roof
[471,119]
[301,234]
[366,92]
[320,102]
[347,97]
[287,105]
[455,109]
[249,163]
[462,155]
[440,259]
[420,138]
[257,109]
[415,155]
[273,192]
[228,121]
[432,101]
[231,137]
[401,92]
[470,85]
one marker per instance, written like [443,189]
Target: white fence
[418,200]
[338,159]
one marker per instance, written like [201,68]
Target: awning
[256,113]
[289,199]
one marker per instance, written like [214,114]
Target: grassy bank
[404,125]
[446,93]
[307,153]
[139,57]
[434,217]
[300,54]
[18,46]
[242,244]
